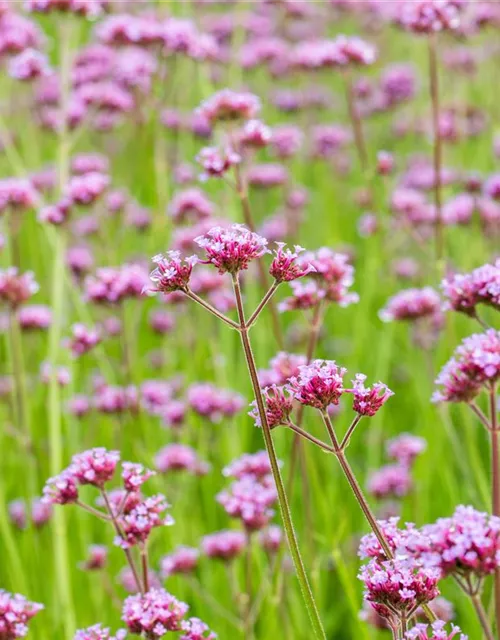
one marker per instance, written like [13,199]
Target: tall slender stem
[212,310]
[282,498]
[304,434]
[145,570]
[248,620]
[437,144]
[495,485]
[54,401]
[242,192]
[270,293]
[357,126]
[21,406]
[350,431]
[482,616]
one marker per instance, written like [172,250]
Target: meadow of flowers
[249,318]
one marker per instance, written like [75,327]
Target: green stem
[282,498]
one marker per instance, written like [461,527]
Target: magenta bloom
[15,613]
[85,8]
[255,134]
[171,274]
[195,629]
[227,105]
[405,448]
[83,340]
[190,205]
[475,365]
[367,401]
[60,489]
[249,500]
[286,266]
[429,16]
[306,295]
[482,286]
[256,465]
[390,481]
[271,538]
[216,162]
[97,558]
[231,250]
[398,587]
[318,384]
[95,466]
[436,631]
[334,273]
[180,457]
[278,405]
[224,545]
[29,65]
[138,523]
[18,194]
[153,614]
[267,175]
[16,288]
[411,304]
[34,317]
[98,632]
[283,366]
[467,544]
[87,188]
[213,403]
[135,475]
[182,560]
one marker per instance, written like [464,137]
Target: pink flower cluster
[228,105]
[16,288]
[17,194]
[15,614]
[429,16]
[213,403]
[217,161]
[171,273]
[180,457]
[318,384]
[392,480]
[181,560]
[224,545]
[154,613]
[113,285]
[231,250]
[250,500]
[405,448]
[19,514]
[34,317]
[396,588]
[278,406]
[437,631]
[283,366]
[367,401]
[411,305]
[138,523]
[98,632]
[255,465]
[287,266]
[475,366]
[190,205]
[463,292]
[83,340]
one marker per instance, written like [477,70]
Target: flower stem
[270,293]
[437,146]
[282,499]
[356,124]
[248,621]
[212,310]
[242,192]
[308,436]
[350,431]
[495,486]
[145,570]
[482,616]
[21,405]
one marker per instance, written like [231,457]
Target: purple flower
[250,500]
[367,401]
[15,287]
[227,105]
[390,481]
[306,295]
[195,629]
[255,134]
[87,188]
[181,560]
[216,162]
[60,489]
[278,405]
[83,340]
[153,614]
[318,384]
[95,466]
[98,632]
[190,205]
[171,273]
[97,558]
[179,457]
[224,545]
[286,266]
[34,317]
[475,365]
[231,250]
[429,16]
[29,65]
[411,304]
[135,475]
[255,465]
[405,448]
[85,8]
[271,538]
[18,194]
[138,523]
[436,631]
[267,175]
[482,286]
[15,613]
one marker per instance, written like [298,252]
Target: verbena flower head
[475,365]
[228,106]
[278,405]
[97,558]
[318,384]
[334,274]
[283,366]
[95,466]
[29,65]
[195,629]
[138,523]
[398,587]
[411,304]
[98,632]
[368,400]
[249,500]
[216,162]
[224,545]
[83,340]
[15,613]
[190,205]
[437,631]
[16,288]
[180,457]
[87,188]
[306,295]
[231,250]
[257,465]
[403,541]
[34,317]
[467,544]
[405,448]
[17,194]
[271,538]
[390,481]
[429,16]
[182,560]
[135,475]
[172,273]
[85,8]
[286,266]
[255,134]
[463,292]
[214,403]
[61,489]
[154,613]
